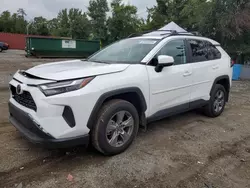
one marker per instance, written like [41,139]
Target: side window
[176,49]
[198,50]
[213,52]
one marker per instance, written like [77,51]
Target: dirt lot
[188,150]
[12,60]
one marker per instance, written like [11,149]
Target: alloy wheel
[219,101]
[120,128]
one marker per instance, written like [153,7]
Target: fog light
[68,116]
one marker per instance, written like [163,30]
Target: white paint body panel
[169,88]
[66,70]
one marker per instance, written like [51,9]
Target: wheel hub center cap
[120,130]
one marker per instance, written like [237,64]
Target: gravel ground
[184,151]
[12,60]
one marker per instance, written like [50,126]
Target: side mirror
[164,61]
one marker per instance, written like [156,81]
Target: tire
[213,109]
[102,137]
[1,49]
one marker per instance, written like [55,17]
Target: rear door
[205,59]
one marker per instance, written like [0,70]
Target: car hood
[73,69]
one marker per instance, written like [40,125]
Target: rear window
[203,51]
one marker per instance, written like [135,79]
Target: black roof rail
[145,32]
[168,32]
[195,33]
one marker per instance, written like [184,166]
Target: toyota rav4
[104,99]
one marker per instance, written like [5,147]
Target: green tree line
[226,21]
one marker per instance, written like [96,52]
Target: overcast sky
[50,8]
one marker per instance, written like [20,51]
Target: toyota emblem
[19,90]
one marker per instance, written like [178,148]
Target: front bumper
[62,116]
[34,132]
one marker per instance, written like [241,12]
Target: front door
[172,86]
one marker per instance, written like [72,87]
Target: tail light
[6,44]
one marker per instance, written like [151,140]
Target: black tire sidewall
[215,90]
[103,122]
[1,49]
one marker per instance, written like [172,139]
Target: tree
[79,24]
[39,26]
[14,23]
[63,23]
[234,17]
[53,26]
[19,21]
[97,11]
[166,11]
[228,21]
[6,24]
[73,23]
[194,14]
[21,12]
[124,20]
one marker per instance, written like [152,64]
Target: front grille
[25,99]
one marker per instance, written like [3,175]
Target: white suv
[104,99]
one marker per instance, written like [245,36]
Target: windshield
[125,51]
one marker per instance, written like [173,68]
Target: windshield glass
[125,51]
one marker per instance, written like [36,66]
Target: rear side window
[213,52]
[203,51]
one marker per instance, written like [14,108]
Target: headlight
[64,86]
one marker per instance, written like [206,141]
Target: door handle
[215,67]
[187,73]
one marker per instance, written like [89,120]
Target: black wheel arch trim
[109,94]
[218,79]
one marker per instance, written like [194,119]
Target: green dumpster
[60,47]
